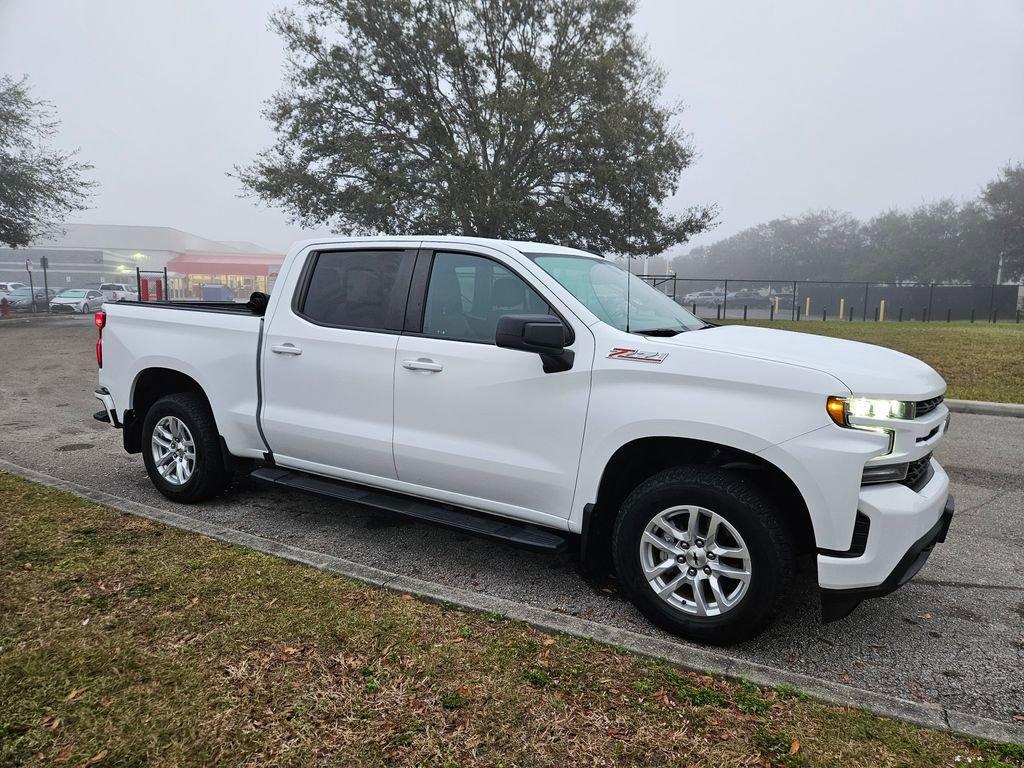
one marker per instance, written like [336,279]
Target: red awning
[254,264]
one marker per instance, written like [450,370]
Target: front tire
[181,449]
[703,553]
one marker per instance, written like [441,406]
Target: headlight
[841,409]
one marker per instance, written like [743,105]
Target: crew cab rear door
[328,357]
[480,425]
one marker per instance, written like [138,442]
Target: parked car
[80,300]
[493,387]
[7,288]
[217,292]
[21,299]
[119,292]
[749,298]
[703,298]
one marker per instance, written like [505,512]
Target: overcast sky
[857,106]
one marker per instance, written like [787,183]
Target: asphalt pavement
[953,637]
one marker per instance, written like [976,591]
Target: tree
[39,186]
[499,118]
[1004,197]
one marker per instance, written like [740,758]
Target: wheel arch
[149,385]
[644,457]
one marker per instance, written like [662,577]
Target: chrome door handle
[286,349]
[422,364]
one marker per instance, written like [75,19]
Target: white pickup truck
[541,395]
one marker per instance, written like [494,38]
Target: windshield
[72,294]
[602,288]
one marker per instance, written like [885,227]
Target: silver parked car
[80,300]
[7,288]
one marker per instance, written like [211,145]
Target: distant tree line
[979,241]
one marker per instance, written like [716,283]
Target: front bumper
[839,603]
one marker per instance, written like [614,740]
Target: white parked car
[119,292]
[81,300]
[511,389]
[8,288]
[703,298]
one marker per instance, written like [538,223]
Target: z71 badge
[622,353]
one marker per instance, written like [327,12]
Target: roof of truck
[523,246]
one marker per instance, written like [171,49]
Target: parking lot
[954,636]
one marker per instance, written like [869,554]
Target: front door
[481,425]
[329,364]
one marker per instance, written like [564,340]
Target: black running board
[519,534]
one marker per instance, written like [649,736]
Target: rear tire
[181,449]
[723,575]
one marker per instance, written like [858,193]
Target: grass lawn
[127,643]
[979,361]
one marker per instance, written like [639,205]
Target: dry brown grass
[126,643]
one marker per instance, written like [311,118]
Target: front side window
[467,294]
[356,289]
[603,289]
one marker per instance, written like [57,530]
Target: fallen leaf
[844,678]
[99,757]
[406,597]
[1019,718]
[86,621]
[54,724]
[924,615]
[65,754]
[794,747]
[549,641]
[27,566]
[75,694]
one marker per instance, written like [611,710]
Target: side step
[519,534]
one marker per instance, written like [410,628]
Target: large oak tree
[537,119]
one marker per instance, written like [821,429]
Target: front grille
[918,473]
[927,406]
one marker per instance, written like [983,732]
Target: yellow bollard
[842,308]
[776,300]
[807,307]
[881,310]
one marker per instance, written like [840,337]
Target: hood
[66,300]
[866,369]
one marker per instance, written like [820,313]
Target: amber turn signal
[836,407]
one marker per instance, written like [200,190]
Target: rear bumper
[839,603]
[109,412]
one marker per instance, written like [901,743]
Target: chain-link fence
[720,299]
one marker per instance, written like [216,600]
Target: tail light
[100,319]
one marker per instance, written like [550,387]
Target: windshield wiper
[660,332]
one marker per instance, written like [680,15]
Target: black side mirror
[544,335]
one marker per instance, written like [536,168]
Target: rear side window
[358,289]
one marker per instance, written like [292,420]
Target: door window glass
[467,294]
[356,289]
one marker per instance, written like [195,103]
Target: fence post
[824,314]
[931,291]
[138,281]
[949,314]
[851,313]
[167,295]
[725,298]
[771,311]
[695,309]
[744,313]
[901,315]
[924,314]
[992,299]
[798,314]
[994,312]
[972,314]
[718,311]
[1018,317]
[793,309]
[876,314]
[866,301]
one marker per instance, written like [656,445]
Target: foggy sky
[797,105]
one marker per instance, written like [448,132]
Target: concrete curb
[983,408]
[694,658]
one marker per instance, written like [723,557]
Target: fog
[792,106]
